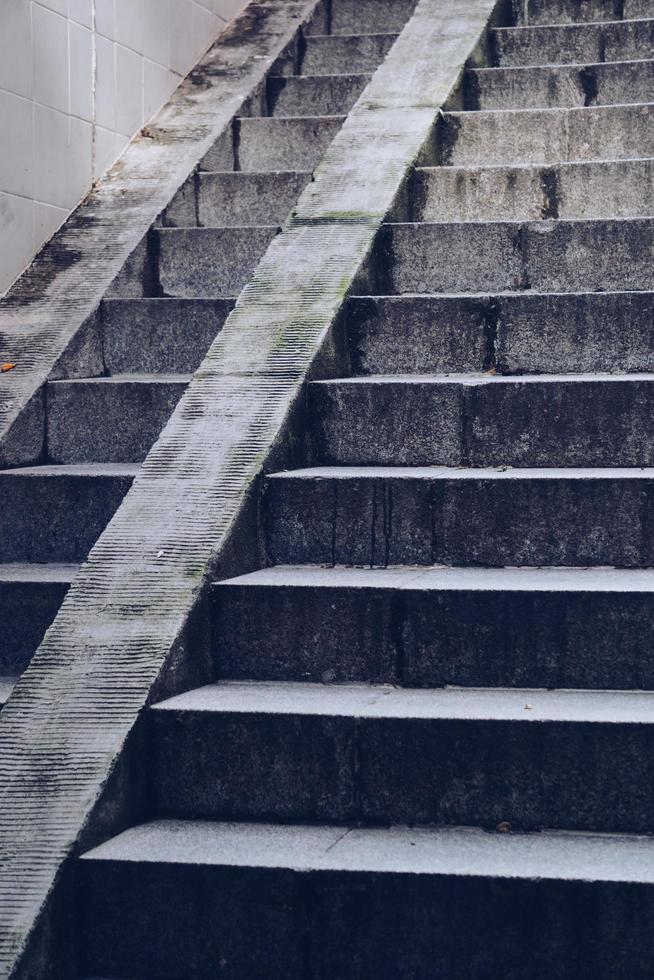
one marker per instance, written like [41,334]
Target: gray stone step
[483,420]
[318,95]
[544,256]
[209,262]
[332,54]
[160,336]
[263,144]
[369,16]
[238,199]
[607,189]
[433,627]
[358,903]
[515,333]
[560,86]
[573,43]
[383,516]
[565,760]
[56,513]
[30,596]
[109,420]
[579,11]
[546,136]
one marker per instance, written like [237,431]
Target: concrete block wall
[78,78]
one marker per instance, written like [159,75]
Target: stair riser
[208,262]
[578,191]
[560,87]
[334,55]
[262,145]
[248,199]
[578,11]
[547,137]
[453,521]
[107,422]
[516,334]
[513,423]
[574,44]
[464,638]
[387,770]
[153,336]
[331,95]
[56,518]
[26,611]
[356,925]
[369,16]
[545,256]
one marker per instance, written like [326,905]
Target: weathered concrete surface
[30,596]
[265,145]
[511,333]
[212,262]
[433,627]
[547,136]
[126,622]
[43,314]
[327,95]
[577,11]
[333,54]
[248,199]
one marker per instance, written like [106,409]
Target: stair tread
[465,473]
[122,379]
[561,68]
[63,572]
[75,469]
[483,378]
[473,113]
[577,25]
[534,167]
[443,577]
[456,851]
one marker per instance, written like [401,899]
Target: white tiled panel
[78,79]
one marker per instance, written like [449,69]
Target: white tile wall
[78,78]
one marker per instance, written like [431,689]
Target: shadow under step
[30,597]
[433,627]
[109,420]
[382,516]
[56,513]
[388,900]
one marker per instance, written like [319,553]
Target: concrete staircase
[157,324]
[428,750]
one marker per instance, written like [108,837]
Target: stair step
[578,11]
[547,136]
[573,43]
[370,16]
[109,420]
[241,199]
[545,256]
[332,54]
[469,627]
[607,189]
[210,262]
[517,333]
[560,86]
[160,336]
[56,513]
[262,144]
[483,420]
[30,597]
[302,751]
[374,902]
[437,515]
[314,95]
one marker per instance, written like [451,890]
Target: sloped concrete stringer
[124,626]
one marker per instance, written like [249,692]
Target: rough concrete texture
[248,199]
[209,261]
[30,596]
[574,43]
[562,86]
[510,333]
[425,516]
[43,313]
[547,136]
[547,256]
[127,616]
[370,16]
[577,11]
[432,627]
[333,54]
[159,336]
[109,420]
[607,189]
[264,145]
[328,95]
